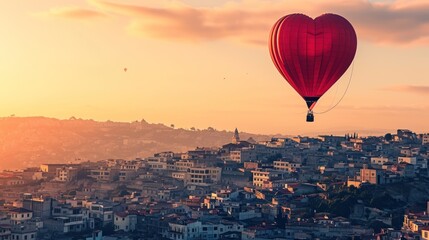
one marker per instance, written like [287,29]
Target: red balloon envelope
[312,54]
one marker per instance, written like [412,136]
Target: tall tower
[236,137]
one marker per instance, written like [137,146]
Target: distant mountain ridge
[30,141]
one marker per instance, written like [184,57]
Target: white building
[184,230]
[425,139]
[260,177]
[125,221]
[157,163]
[104,174]
[410,160]
[101,210]
[132,164]
[286,166]
[5,232]
[203,176]
[71,217]
[23,231]
[379,160]
[65,224]
[65,174]
[243,155]
[179,175]
[183,165]
[195,229]
[20,216]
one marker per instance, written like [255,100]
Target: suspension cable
[344,94]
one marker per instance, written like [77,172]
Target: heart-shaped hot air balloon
[312,54]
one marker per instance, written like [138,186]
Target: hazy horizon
[360,131]
[61,59]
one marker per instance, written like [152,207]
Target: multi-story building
[261,177]
[410,160]
[157,163]
[286,166]
[65,174]
[5,232]
[131,164]
[101,210]
[245,154]
[203,176]
[415,223]
[425,234]
[104,174]
[425,139]
[51,169]
[62,225]
[195,229]
[41,207]
[183,165]
[184,230]
[24,231]
[126,174]
[379,160]
[71,218]
[15,181]
[372,176]
[32,174]
[179,175]
[125,221]
[20,216]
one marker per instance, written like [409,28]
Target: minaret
[236,137]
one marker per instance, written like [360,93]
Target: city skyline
[64,59]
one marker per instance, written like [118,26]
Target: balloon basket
[310,116]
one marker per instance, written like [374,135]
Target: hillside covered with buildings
[326,187]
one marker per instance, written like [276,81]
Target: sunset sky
[201,63]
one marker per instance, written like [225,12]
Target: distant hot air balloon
[312,54]
[125,69]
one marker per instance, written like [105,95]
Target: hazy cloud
[396,22]
[75,13]
[409,88]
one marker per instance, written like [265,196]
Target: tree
[378,225]
[388,137]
